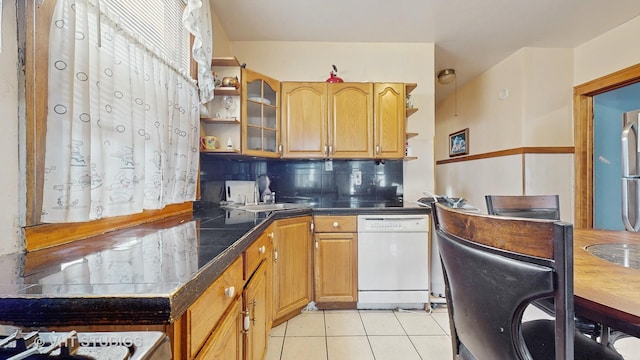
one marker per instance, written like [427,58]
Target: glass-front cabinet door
[260,125]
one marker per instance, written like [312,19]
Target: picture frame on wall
[459,143]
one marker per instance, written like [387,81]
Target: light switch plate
[357,177]
[328,165]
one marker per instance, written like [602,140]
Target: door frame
[583,134]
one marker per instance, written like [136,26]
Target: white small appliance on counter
[239,192]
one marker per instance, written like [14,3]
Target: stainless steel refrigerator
[631,170]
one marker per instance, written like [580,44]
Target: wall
[478,108]
[221,43]
[547,97]
[392,62]
[607,53]
[9,216]
[523,101]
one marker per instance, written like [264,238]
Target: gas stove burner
[71,345]
[36,345]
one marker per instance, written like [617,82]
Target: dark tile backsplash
[308,181]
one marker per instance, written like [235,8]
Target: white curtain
[123,124]
[197,19]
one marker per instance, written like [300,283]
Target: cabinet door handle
[275,255]
[230,291]
[262,249]
[253,319]
[280,149]
[330,149]
[317,245]
[336,224]
[270,235]
[247,322]
[324,150]
[377,149]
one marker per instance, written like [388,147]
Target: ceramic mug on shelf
[209,143]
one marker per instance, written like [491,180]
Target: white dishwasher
[393,261]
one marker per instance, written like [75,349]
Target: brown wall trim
[514,151]
[47,235]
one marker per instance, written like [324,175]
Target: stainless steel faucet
[256,192]
[262,188]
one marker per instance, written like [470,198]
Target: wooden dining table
[607,291]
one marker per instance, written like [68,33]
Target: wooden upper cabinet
[304,120]
[350,120]
[389,120]
[343,120]
[260,114]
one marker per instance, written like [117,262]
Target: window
[159,18]
[158,22]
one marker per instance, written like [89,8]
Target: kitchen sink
[265,207]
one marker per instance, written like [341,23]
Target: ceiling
[470,36]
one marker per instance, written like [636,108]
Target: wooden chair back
[529,206]
[493,268]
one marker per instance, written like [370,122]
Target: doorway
[583,113]
[607,163]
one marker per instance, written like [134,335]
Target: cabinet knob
[336,224]
[262,249]
[271,235]
[230,291]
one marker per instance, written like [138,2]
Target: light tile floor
[362,335]
[378,335]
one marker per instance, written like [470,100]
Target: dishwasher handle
[382,218]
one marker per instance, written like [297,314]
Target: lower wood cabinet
[256,314]
[335,262]
[269,284]
[226,341]
[292,267]
[201,317]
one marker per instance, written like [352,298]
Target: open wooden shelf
[229,91]
[225,61]
[221,151]
[409,158]
[409,87]
[219,121]
[411,111]
[410,135]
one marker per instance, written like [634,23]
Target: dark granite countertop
[148,274]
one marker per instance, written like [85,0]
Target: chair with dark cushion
[493,268]
[528,206]
[537,207]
